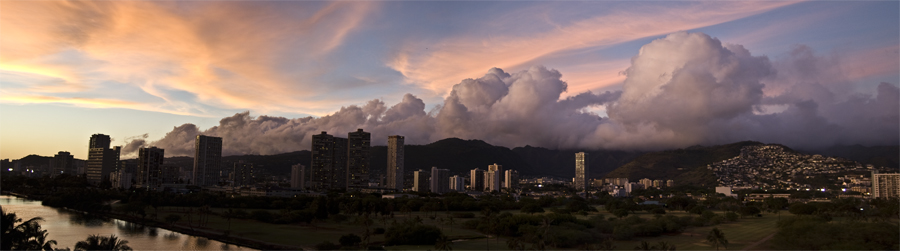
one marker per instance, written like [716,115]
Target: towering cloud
[681,90]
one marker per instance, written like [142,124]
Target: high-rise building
[476,179]
[648,183]
[440,180]
[395,162]
[339,173]
[99,141]
[329,162]
[493,178]
[885,185]
[207,161]
[512,179]
[670,183]
[121,179]
[63,162]
[582,172]
[358,159]
[658,183]
[170,174]
[298,172]
[322,163]
[457,183]
[242,174]
[101,160]
[420,181]
[149,173]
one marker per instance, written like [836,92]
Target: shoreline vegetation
[560,219]
[207,233]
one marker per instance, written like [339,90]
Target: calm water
[67,228]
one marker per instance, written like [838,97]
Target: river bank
[211,234]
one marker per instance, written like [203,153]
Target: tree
[442,243]
[40,242]
[532,208]
[802,208]
[748,211]
[515,244]
[172,218]
[97,242]
[27,235]
[621,213]
[717,237]
[350,240]
[326,245]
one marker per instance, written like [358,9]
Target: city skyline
[805,74]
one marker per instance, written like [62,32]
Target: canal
[68,228]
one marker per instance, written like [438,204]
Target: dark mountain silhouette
[684,166]
[879,156]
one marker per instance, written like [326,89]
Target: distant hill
[460,156]
[684,166]
[457,155]
[561,163]
[879,156]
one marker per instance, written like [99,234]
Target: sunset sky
[137,70]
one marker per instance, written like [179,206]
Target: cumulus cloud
[681,90]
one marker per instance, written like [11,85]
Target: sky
[267,75]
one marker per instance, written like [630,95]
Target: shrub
[327,245]
[463,215]
[731,216]
[379,230]
[263,216]
[658,210]
[350,240]
[411,233]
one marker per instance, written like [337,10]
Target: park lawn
[740,234]
[464,244]
[307,236]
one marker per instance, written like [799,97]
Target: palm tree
[717,237]
[40,242]
[665,246]
[487,212]
[97,242]
[21,236]
[515,244]
[443,243]
[644,246]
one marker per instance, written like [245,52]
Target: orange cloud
[224,53]
[92,103]
[448,61]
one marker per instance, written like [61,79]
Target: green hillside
[685,166]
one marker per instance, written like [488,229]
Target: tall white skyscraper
[395,162]
[493,178]
[885,185]
[457,183]
[582,172]
[440,180]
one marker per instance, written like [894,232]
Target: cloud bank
[681,90]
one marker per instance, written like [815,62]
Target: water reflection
[68,227]
[202,242]
[129,228]
[171,236]
[84,219]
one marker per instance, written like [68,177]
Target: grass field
[740,234]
